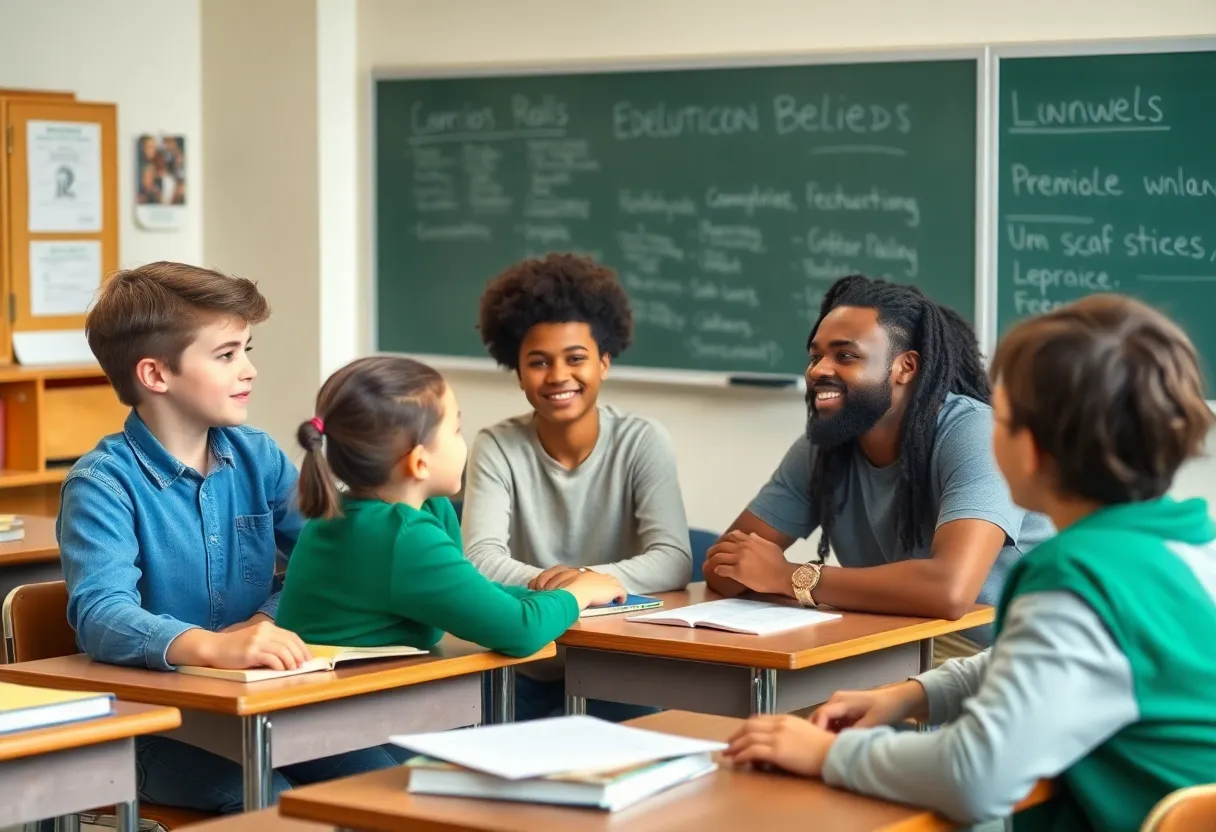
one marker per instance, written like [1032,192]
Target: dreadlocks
[950,363]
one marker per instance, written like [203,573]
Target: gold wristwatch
[804,580]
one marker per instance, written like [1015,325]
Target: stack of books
[570,761]
[12,528]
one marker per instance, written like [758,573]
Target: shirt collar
[162,466]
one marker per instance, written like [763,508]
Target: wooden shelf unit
[52,417]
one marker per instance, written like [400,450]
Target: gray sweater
[620,511]
[1053,688]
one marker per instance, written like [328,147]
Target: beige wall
[142,55]
[262,219]
[727,442]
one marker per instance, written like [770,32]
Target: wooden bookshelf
[52,417]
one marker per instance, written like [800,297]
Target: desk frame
[730,689]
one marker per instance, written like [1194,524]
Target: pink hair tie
[318,423]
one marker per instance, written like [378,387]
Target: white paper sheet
[64,276]
[59,346]
[64,176]
[551,746]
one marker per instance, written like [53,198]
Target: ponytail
[318,492]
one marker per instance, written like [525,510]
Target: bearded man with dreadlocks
[895,469]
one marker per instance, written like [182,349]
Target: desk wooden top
[129,720]
[728,799]
[853,634]
[38,546]
[450,658]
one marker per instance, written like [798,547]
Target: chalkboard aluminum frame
[1062,49]
[985,281]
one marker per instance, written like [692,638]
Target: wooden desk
[31,560]
[711,671]
[314,714]
[728,799]
[72,768]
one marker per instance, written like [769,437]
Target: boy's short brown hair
[1111,391]
[156,310]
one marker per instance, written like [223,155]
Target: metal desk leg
[764,691]
[65,823]
[575,705]
[501,704]
[259,774]
[926,655]
[127,819]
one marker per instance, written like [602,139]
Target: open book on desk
[324,657]
[736,615]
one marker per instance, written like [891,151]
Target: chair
[1183,811]
[699,540]
[35,620]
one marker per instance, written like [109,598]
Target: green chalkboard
[727,199]
[1107,182]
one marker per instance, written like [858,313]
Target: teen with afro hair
[573,484]
[895,469]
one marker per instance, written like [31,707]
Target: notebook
[323,658]
[545,747]
[610,789]
[12,528]
[737,615]
[23,708]
[632,603]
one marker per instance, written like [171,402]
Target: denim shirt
[150,548]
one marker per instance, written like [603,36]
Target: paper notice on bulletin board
[64,176]
[64,276]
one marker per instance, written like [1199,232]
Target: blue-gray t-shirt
[964,481]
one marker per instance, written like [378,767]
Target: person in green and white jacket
[1102,673]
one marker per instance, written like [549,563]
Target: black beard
[862,408]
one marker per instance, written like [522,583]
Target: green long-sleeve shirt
[388,574]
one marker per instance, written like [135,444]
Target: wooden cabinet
[51,417]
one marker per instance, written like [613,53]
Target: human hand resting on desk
[257,645]
[758,564]
[555,577]
[592,589]
[868,708]
[784,741]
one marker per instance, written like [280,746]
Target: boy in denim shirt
[168,531]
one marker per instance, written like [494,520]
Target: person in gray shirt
[573,485]
[895,468]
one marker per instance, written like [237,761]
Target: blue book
[632,603]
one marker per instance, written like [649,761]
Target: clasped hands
[758,564]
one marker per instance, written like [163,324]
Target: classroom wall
[727,442]
[142,55]
[262,217]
